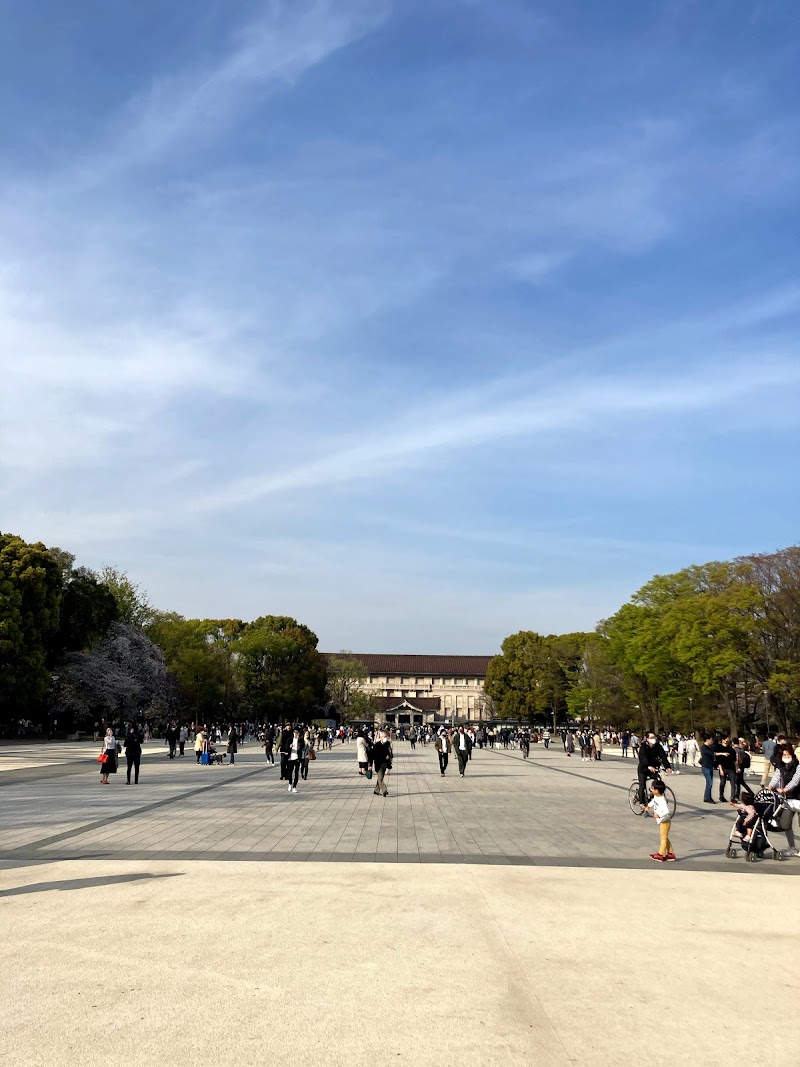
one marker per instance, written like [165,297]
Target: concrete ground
[505,951]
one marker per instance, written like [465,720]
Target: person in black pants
[443,748]
[133,753]
[269,744]
[285,747]
[382,762]
[651,757]
[726,765]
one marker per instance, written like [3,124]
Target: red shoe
[671,857]
[657,857]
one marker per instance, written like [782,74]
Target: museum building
[418,690]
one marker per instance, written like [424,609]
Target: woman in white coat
[362,753]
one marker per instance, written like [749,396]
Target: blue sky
[423,322]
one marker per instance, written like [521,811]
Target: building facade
[417,690]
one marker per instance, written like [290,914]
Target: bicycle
[639,809]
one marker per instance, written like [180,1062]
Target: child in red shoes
[659,809]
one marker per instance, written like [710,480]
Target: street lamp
[691,712]
[765,694]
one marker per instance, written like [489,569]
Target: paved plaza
[510,917]
[550,810]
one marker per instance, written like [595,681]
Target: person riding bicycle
[651,757]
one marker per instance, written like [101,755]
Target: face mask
[788,761]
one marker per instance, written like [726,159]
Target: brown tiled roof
[439,666]
[421,703]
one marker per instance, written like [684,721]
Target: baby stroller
[755,830]
[215,757]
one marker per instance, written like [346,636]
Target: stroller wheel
[752,857]
[730,853]
[776,855]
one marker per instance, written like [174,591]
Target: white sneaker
[290,787]
[294,788]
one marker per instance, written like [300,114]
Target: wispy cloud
[288,38]
[575,406]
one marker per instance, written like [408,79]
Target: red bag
[103,757]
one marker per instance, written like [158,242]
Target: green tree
[345,678]
[132,603]
[283,674]
[88,608]
[30,594]
[532,675]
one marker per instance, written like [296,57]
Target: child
[747,818]
[660,812]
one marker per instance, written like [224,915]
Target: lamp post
[691,713]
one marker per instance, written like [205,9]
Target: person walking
[285,747]
[183,737]
[199,741]
[171,737]
[308,754]
[463,747]
[546,739]
[269,744]
[625,741]
[412,737]
[726,766]
[443,748]
[133,753]
[569,742]
[108,748]
[769,753]
[362,753]
[742,753]
[382,762]
[233,744]
[294,759]
[597,746]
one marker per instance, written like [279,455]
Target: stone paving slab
[547,810]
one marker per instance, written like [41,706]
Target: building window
[472,702]
[459,702]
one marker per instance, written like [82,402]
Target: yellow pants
[666,844]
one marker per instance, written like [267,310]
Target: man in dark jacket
[651,757]
[462,743]
[382,762]
[133,752]
[708,754]
[726,764]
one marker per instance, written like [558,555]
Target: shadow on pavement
[81,883]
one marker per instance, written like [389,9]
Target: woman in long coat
[362,753]
[233,744]
[109,747]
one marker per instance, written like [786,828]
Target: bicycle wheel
[633,799]
[669,796]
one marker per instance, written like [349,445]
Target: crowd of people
[724,761]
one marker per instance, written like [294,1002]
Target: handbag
[103,757]
[368,774]
[312,754]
